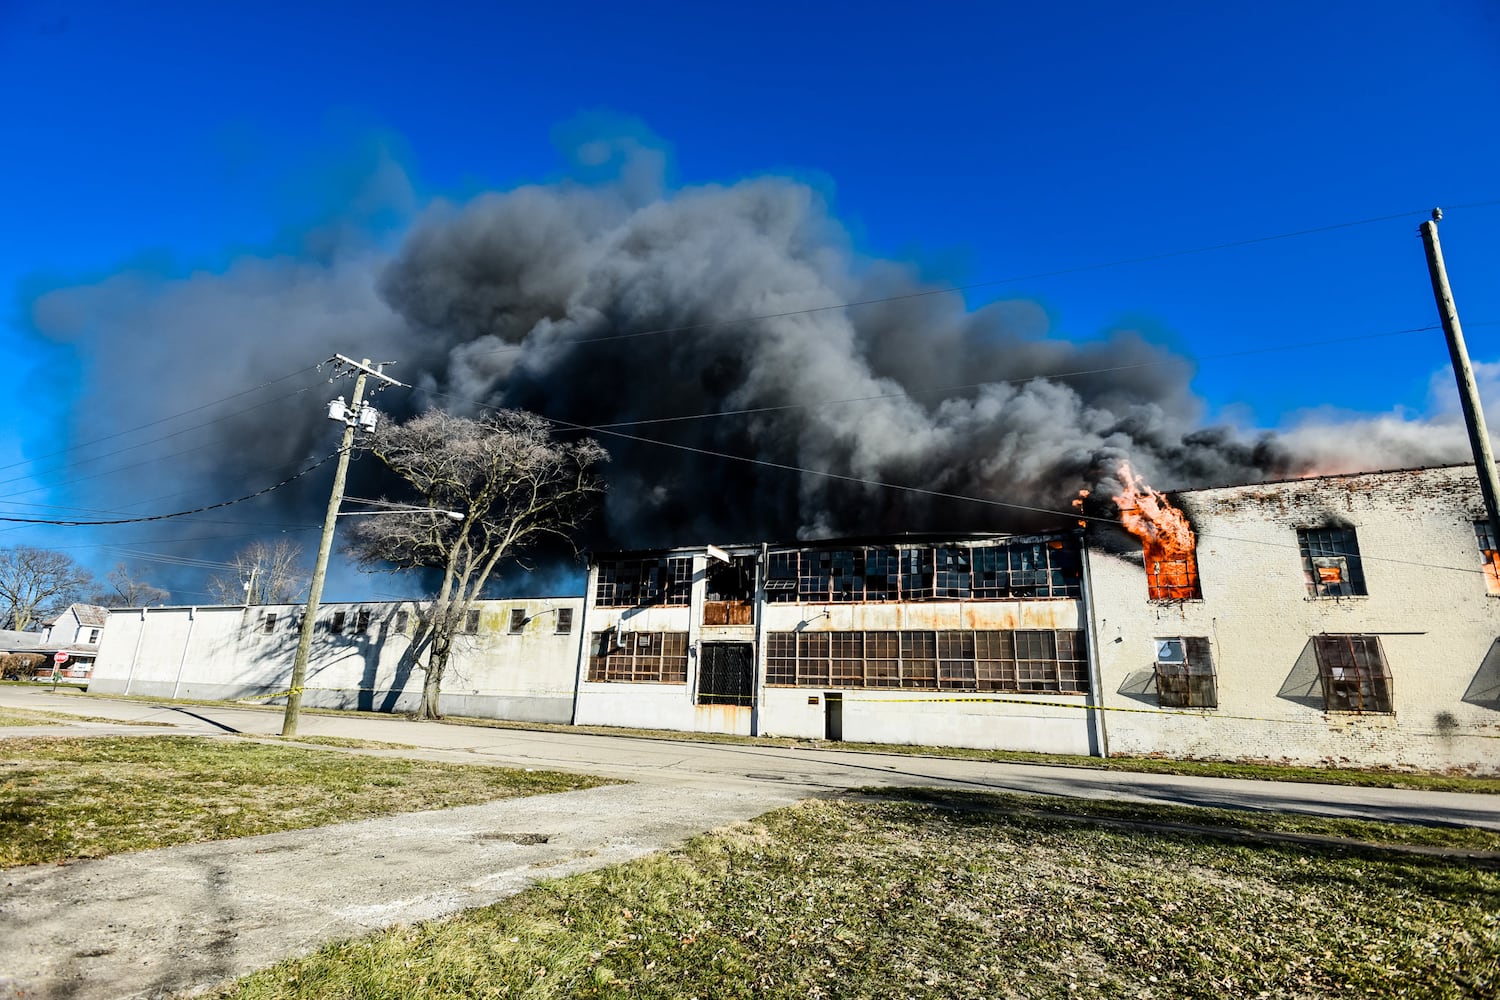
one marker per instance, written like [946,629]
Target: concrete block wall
[226,653]
[1427,600]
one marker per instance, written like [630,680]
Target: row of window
[1030,661]
[1008,569]
[639,657]
[359,621]
[1352,672]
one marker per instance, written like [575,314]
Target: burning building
[1343,619]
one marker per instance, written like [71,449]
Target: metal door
[726,673]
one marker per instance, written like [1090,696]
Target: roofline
[839,541]
[1326,475]
[328,604]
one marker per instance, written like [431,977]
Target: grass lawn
[936,897]
[80,798]
[27,717]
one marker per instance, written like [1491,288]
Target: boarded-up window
[1354,673]
[1185,673]
[1330,562]
[638,657]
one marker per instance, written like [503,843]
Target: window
[564,621]
[1035,660]
[1485,533]
[638,657]
[268,623]
[93,635]
[1354,673]
[1185,673]
[1330,562]
[628,583]
[471,622]
[362,621]
[336,623]
[517,620]
[402,618]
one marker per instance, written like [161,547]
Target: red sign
[59,657]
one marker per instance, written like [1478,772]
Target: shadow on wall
[1484,689]
[1140,685]
[1303,686]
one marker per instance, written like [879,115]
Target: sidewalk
[158,922]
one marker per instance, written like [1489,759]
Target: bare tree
[264,573]
[36,584]
[126,590]
[514,487]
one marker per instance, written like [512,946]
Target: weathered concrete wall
[226,652]
[1427,600]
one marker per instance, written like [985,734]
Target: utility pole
[356,414]
[1468,391]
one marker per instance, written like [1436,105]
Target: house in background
[77,632]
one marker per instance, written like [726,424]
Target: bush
[20,666]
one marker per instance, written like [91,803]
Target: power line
[180,513]
[162,420]
[990,283]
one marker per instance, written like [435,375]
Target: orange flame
[1078,506]
[1167,538]
[1492,570]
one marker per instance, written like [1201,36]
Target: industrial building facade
[1334,620]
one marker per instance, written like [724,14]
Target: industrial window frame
[1331,565]
[638,657]
[518,621]
[1009,569]
[636,583]
[1355,675]
[362,621]
[564,624]
[1022,661]
[1185,676]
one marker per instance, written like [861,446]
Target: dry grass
[940,899]
[80,798]
[28,717]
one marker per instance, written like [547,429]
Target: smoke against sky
[554,297]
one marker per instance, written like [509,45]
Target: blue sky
[982,141]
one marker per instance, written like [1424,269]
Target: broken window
[815,576]
[951,573]
[1038,660]
[564,621]
[639,657]
[882,574]
[1185,673]
[916,574]
[471,622]
[268,623]
[629,583]
[1485,533]
[517,620]
[1354,673]
[781,577]
[336,623]
[729,591]
[362,621]
[1330,562]
[848,575]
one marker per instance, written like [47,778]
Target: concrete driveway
[158,922]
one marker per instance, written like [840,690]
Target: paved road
[151,923]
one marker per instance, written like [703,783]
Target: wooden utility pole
[1468,391]
[351,418]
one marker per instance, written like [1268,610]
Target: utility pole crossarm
[366,368]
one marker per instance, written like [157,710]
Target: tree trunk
[437,663]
